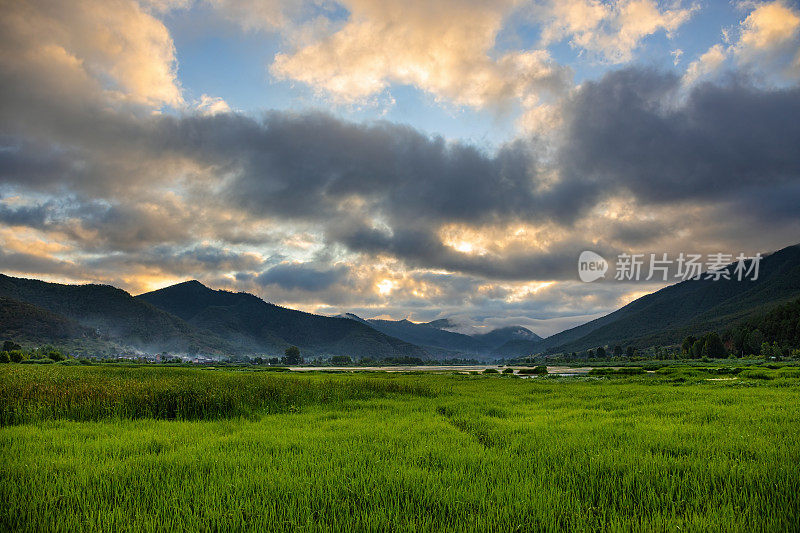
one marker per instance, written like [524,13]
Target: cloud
[721,142]
[211,105]
[612,31]
[111,46]
[302,276]
[765,46]
[443,48]
[707,64]
[385,190]
[769,39]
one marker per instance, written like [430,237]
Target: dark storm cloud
[303,276]
[11,261]
[32,216]
[631,130]
[179,261]
[421,247]
[381,188]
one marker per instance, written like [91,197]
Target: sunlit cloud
[610,30]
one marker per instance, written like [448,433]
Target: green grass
[391,452]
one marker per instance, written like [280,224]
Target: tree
[15,355]
[739,340]
[10,346]
[766,349]
[630,351]
[341,360]
[714,347]
[754,341]
[697,349]
[601,352]
[292,356]
[4,357]
[686,345]
[617,351]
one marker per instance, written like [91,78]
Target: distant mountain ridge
[687,308]
[444,343]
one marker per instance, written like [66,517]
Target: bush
[539,370]
[508,371]
[4,357]
[630,370]
[490,371]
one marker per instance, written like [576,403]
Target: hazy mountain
[435,337]
[442,323]
[500,336]
[110,313]
[444,343]
[689,307]
[251,324]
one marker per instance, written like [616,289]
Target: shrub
[490,371]
[508,371]
[630,370]
[4,357]
[539,370]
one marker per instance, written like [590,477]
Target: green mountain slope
[248,322]
[24,322]
[689,307]
[114,314]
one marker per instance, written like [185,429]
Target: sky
[412,159]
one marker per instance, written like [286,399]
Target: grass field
[118,449]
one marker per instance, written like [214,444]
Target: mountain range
[192,318]
[443,343]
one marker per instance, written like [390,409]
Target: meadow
[160,449]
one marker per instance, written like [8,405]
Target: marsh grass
[413,453]
[94,393]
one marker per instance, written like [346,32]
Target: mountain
[25,322]
[108,312]
[435,337]
[689,307]
[442,323]
[439,341]
[251,324]
[500,336]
